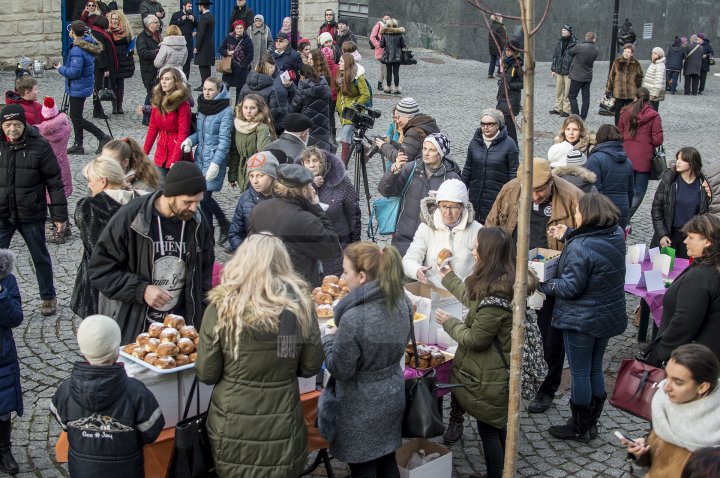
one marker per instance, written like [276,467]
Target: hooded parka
[640,148]
[392,41]
[213,135]
[11,315]
[79,70]
[662,211]
[613,175]
[173,53]
[172,125]
[313,100]
[262,84]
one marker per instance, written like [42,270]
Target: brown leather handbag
[225,65]
[635,387]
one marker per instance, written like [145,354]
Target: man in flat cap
[155,256]
[294,214]
[294,139]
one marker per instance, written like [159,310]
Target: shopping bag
[635,387]
[386,212]
[659,163]
[407,57]
[192,457]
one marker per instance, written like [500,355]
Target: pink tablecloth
[654,299]
[442,373]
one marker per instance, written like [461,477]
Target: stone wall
[312,14]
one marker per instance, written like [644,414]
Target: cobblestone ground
[453,91]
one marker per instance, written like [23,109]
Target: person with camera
[424,173]
[414,127]
[352,89]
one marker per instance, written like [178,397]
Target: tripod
[357,152]
[65,107]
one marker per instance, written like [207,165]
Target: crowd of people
[148,231]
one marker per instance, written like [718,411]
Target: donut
[151,358]
[188,331]
[155,329]
[324,311]
[442,255]
[142,339]
[182,359]
[128,349]
[186,346]
[165,362]
[167,349]
[169,335]
[196,340]
[323,298]
[139,352]
[334,290]
[152,344]
[193,356]
[315,292]
[174,321]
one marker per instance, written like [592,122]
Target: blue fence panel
[273,10]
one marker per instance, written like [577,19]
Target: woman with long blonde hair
[122,35]
[258,335]
[352,89]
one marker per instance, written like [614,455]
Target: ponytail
[383,265]
[642,96]
[131,150]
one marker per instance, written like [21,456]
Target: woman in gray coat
[363,354]
[261,37]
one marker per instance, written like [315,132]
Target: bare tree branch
[486,8]
[542,20]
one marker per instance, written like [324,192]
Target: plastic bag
[418,459]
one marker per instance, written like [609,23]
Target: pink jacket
[375,39]
[57,131]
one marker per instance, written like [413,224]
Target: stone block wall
[312,14]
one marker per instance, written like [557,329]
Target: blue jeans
[641,185]
[585,356]
[673,76]
[34,235]
[494,62]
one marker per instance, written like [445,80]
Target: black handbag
[407,57]
[105,93]
[659,163]
[192,457]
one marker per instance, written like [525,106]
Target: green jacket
[359,93]
[477,363]
[243,146]
[255,420]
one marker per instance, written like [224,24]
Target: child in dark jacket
[262,172]
[11,315]
[108,416]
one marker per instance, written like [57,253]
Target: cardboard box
[545,270]
[438,468]
[429,298]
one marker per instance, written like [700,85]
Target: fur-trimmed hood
[579,171]
[175,42]
[428,206]
[335,171]
[392,30]
[173,101]
[585,144]
[89,44]
[7,263]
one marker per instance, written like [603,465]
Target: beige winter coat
[654,79]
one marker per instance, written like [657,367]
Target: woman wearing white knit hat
[654,79]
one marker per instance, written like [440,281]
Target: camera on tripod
[361,116]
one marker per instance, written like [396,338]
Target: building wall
[459,30]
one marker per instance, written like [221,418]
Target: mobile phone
[402,149]
[620,436]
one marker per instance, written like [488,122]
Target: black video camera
[361,116]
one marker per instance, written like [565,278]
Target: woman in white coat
[447,221]
[654,79]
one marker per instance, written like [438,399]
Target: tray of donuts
[167,347]
[429,356]
[328,294]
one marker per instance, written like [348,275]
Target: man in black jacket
[243,12]
[581,69]
[204,42]
[29,168]
[343,33]
[155,256]
[497,37]
[295,216]
[560,68]
[185,20]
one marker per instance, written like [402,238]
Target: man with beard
[155,256]
[294,139]
[186,21]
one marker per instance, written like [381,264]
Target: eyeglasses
[488,125]
[90,5]
[450,208]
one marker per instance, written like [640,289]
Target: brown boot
[345,153]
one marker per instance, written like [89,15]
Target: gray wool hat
[495,114]
[264,162]
[294,175]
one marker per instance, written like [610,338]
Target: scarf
[118,33]
[246,127]
[286,30]
[155,36]
[687,425]
[211,107]
[113,53]
[488,141]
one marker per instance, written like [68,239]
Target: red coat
[173,128]
[33,109]
[640,149]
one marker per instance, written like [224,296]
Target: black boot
[224,231]
[76,149]
[597,404]
[101,143]
[455,427]
[7,461]
[119,102]
[578,427]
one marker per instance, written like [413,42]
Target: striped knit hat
[407,107]
[441,143]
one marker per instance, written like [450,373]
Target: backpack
[534,367]
[370,101]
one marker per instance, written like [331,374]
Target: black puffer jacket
[261,84]
[513,78]
[393,42]
[313,100]
[147,48]
[108,418]
[675,57]
[126,59]
[561,59]
[663,205]
[613,175]
[27,169]
[306,230]
[122,263]
[487,169]
[414,134]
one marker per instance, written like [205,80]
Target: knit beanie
[343,20]
[260,17]
[441,143]
[452,190]
[12,112]
[567,27]
[99,339]
[264,162]
[659,52]
[557,154]
[494,114]
[184,178]
[49,109]
[407,107]
[576,158]
[324,36]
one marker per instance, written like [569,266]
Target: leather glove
[186,145]
[212,172]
